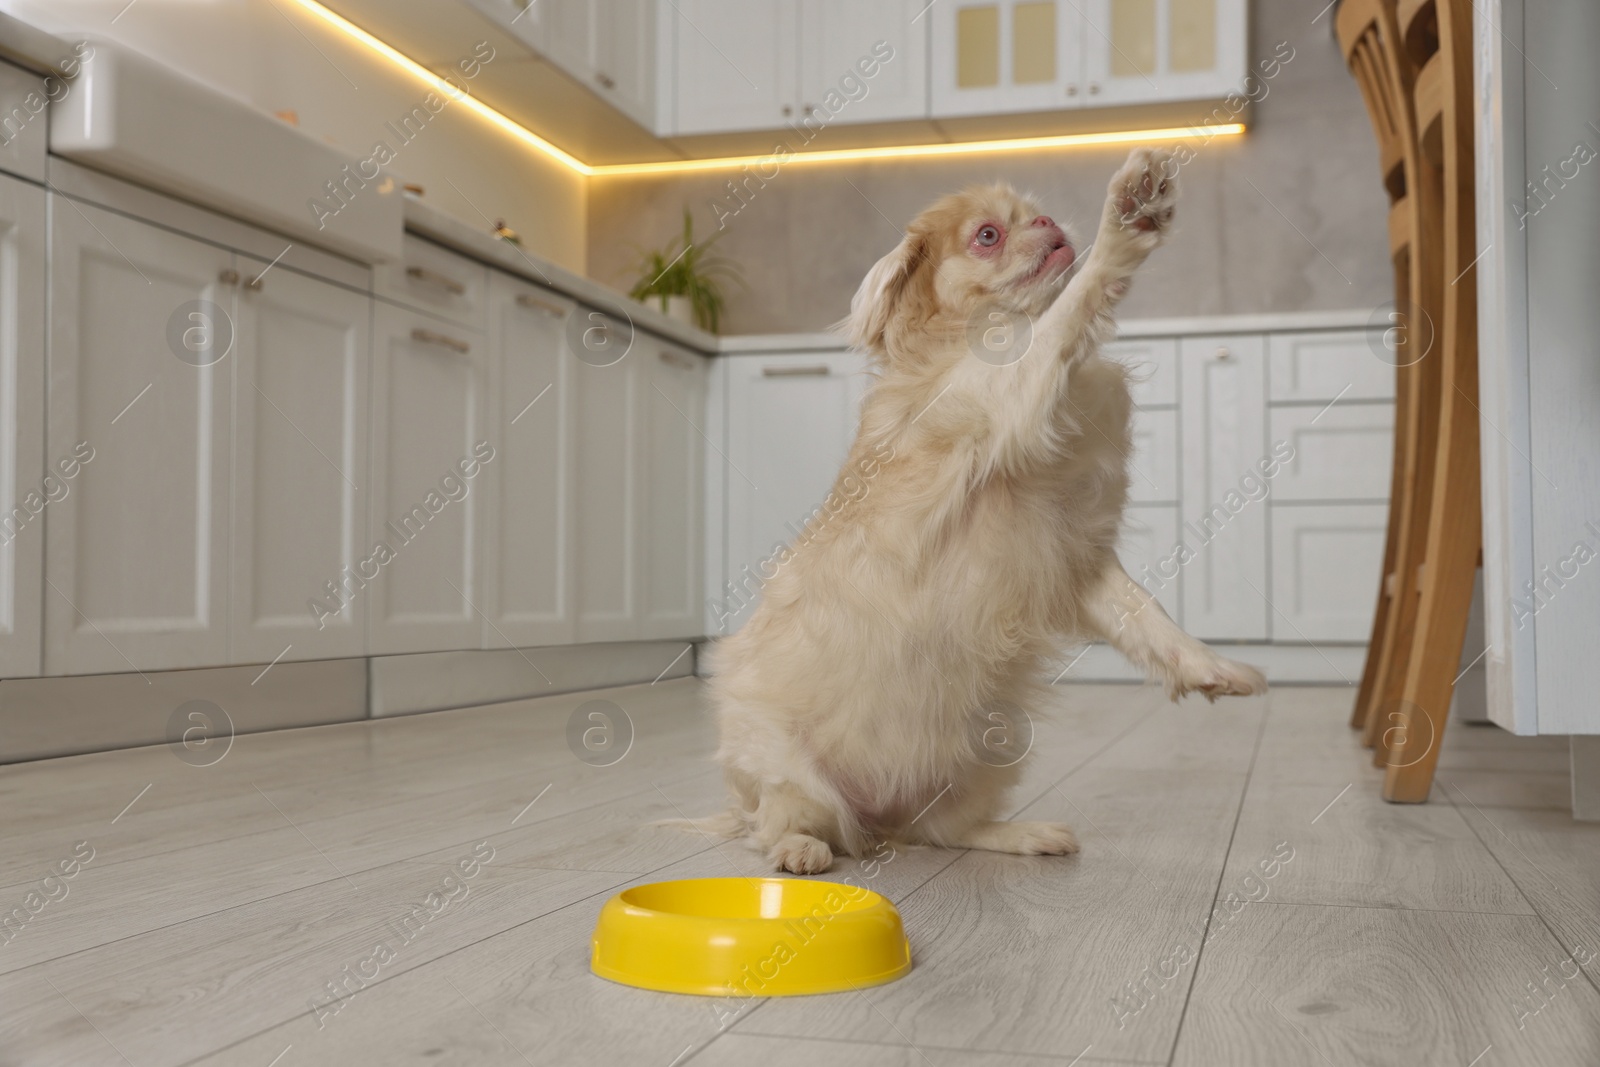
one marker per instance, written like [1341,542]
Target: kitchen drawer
[1326,560]
[1149,551]
[432,279]
[1327,364]
[1153,475]
[1340,453]
[1154,362]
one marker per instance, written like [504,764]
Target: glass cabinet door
[995,56]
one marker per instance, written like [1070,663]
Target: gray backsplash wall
[1289,217]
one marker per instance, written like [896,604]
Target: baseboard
[41,718]
[436,681]
[45,717]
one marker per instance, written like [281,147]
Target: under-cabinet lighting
[789,159]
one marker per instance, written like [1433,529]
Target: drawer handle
[228,276]
[434,278]
[605,80]
[810,370]
[546,306]
[428,337]
[1224,355]
[677,359]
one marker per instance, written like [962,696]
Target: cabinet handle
[808,109]
[546,306]
[787,111]
[1094,88]
[810,370]
[1224,355]
[449,285]
[605,80]
[1072,90]
[428,337]
[678,359]
[228,276]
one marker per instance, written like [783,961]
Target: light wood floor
[1243,898]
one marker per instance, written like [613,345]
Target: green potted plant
[686,278]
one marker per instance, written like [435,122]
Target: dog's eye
[988,236]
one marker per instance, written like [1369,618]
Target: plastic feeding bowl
[765,937]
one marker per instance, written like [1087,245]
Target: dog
[976,528]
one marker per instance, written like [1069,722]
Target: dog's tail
[724,824]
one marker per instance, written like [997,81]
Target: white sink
[132,117]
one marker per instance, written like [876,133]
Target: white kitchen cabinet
[736,65]
[608,414]
[672,468]
[1153,464]
[608,45]
[805,63]
[1149,552]
[1316,549]
[842,42]
[1153,363]
[429,429]
[1005,55]
[528,488]
[1328,365]
[791,419]
[136,555]
[300,397]
[1047,55]
[1224,445]
[1136,51]
[1340,453]
[25,494]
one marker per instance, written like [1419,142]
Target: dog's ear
[873,305]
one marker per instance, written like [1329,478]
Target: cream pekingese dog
[996,480]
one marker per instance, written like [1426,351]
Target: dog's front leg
[1120,610]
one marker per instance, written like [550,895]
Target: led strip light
[918,151]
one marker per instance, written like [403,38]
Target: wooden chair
[1370,36]
[1438,39]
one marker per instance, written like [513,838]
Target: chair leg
[1455,538]
[1383,616]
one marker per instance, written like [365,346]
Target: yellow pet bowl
[762,937]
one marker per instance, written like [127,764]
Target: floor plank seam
[940,1048]
[1544,920]
[1096,754]
[1222,872]
[458,949]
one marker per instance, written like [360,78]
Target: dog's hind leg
[1120,610]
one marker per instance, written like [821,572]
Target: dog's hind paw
[1022,838]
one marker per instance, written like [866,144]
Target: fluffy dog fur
[846,703]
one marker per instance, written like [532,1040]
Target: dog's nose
[1043,220]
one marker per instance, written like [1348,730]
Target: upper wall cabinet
[609,45]
[1045,55]
[810,63]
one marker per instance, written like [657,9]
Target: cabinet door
[300,467]
[527,596]
[1162,49]
[136,555]
[1149,551]
[624,57]
[673,464]
[839,39]
[1316,548]
[791,421]
[606,497]
[428,428]
[1340,453]
[1225,586]
[736,65]
[24,492]
[1005,55]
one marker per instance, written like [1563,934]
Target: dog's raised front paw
[1216,677]
[1144,192]
[801,854]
